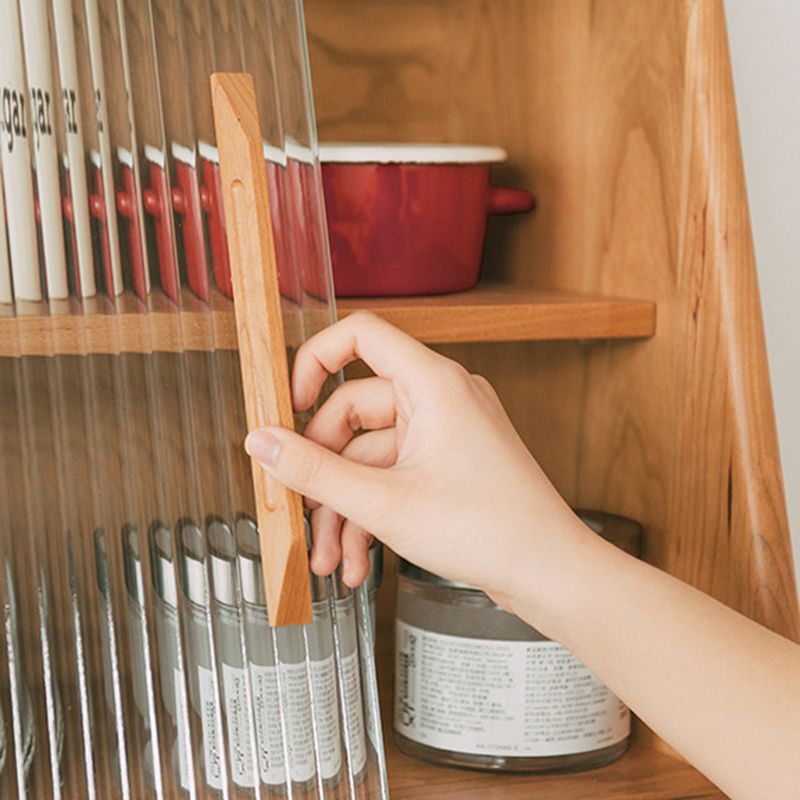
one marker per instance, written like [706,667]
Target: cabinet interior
[620,117]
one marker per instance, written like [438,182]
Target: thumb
[355,491]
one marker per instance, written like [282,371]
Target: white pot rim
[364,153]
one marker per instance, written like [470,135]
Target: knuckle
[455,378]
[352,418]
[483,385]
[343,405]
[361,319]
[481,382]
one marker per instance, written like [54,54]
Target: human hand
[439,475]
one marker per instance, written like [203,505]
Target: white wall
[764,36]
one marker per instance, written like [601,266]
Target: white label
[104,141]
[271,762]
[212,735]
[370,721]
[351,678]
[268,724]
[326,716]
[269,740]
[6,295]
[71,102]
[239,748]
[182,718]
[500,698]
[15,154]
[44,107]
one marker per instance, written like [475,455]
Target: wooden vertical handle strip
[262,345]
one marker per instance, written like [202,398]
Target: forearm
[722,690]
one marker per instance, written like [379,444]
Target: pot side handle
[510,201]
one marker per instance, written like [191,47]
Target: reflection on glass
[283,725]
[345,629]
[203,694]
[170,665]
[21,708]
[228,640]
[234,707]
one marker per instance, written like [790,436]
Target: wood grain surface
[260,334]
[491,312]
[621,118]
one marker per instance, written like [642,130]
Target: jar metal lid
[134,582]
[222,558]
[162,564]
[191,562]
[249,556]
[252,578]
[251,574]
[620,531]
[101,563]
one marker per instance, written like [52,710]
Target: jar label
[500,698]
[239,745]
[297,705]
[351,679]
[370,721]
[212,734]
[326,716]
[181,718]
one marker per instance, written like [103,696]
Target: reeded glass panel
[136,654]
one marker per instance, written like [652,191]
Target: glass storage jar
[475,686]
[374,579]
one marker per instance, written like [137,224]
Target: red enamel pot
[411,219]
[301,251]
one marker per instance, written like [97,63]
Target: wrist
[554,573]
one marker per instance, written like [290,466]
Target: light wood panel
[621,117]
[261,339]
[509,73]
[644,773]
[498,313]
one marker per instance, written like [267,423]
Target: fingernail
[263,447]
[346,570]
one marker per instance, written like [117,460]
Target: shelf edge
[454,320]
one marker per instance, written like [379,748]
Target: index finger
[389,352]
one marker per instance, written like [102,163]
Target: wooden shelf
[487,313]
[643,773]
[493,313]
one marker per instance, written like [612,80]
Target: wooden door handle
[262,343]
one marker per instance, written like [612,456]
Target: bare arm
[442,477]
[722,690]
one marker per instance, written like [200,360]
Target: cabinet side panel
[680,431]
